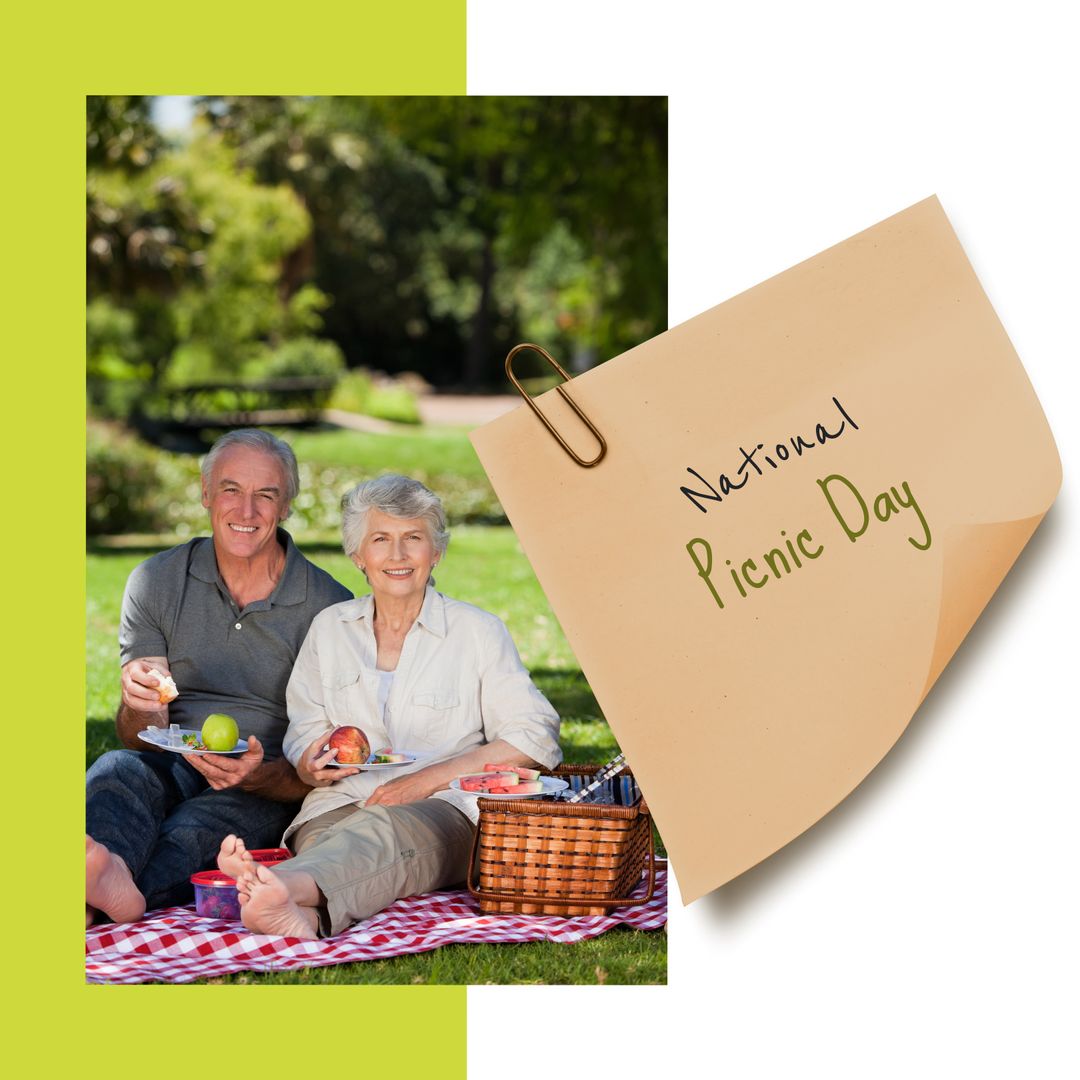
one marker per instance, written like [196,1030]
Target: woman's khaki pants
[365,859]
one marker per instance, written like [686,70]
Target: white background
[927,927]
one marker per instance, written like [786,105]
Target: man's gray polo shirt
[222,658]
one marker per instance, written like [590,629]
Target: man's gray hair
[254,439]
[397,496]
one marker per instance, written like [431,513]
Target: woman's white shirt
[459,683]
[386,682]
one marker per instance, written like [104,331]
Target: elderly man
[224,618]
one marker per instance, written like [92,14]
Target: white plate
[373,767]
[552,784]
[160,737]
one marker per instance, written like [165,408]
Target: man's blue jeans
[166,822]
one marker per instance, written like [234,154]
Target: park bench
[186,410]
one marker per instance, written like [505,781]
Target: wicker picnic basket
[557,858]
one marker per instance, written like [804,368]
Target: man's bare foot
[230,858]
[266,906]
[109,885]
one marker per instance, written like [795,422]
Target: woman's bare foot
[109,886]
[267,906]
[230,858]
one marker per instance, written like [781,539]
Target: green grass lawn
[484,566]
[429,450]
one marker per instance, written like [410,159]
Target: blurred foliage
[416,234]
[115,373]
[353,392]
[392,402]
[135,488]
[120,133]
[585,175]
[303,357]
[189,247]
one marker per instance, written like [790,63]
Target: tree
[185,252]
[520,173]
[370,202]
[445,227]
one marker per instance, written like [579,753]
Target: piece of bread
[166,687]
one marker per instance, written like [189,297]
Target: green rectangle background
[54,57]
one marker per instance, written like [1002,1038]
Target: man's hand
[140,704]
[406,789]
[313,769]
[274,780]
[226,772]
[139,685]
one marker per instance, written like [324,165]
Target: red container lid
[216,879]
[271,854]
[213,879]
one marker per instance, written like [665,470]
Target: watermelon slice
[483,781]
[474,783]
[504,777]
[517,770]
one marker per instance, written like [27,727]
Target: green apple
[219,732]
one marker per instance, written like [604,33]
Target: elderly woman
[419,672]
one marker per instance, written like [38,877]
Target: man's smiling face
[246,499]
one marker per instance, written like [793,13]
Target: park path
[450,410]
[465,410]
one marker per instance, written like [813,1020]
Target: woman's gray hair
[396,496]
[254,439]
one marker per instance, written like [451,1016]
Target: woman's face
[397,554]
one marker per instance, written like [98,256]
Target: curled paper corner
[976,560]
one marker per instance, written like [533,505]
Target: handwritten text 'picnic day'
[848,506]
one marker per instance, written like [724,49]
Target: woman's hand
[312,766]
[405,789]
[419,785]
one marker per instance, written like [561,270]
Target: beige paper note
[810,493]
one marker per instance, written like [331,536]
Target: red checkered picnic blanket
[176,945]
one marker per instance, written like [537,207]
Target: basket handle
[482,894]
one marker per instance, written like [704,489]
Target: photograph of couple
[297,308]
